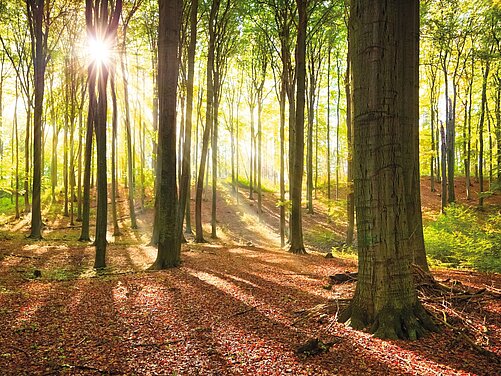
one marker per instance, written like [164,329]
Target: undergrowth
[462,239]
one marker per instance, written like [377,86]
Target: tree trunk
[328,137]
[385,297]
[350,199]
[114,126]
[486,70]
[130,151]
[296,238]
[184,189]
[169,245]
[443,159]
[35,16]
[199,237]
[215,131]
[89,135]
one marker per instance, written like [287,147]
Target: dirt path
[232,308]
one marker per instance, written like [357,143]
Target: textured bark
[296,237]
[385,297]
[169,245]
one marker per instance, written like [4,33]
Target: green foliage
[461,239]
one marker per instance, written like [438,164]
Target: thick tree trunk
[169,245]
[385,297]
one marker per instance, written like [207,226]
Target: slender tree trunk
[296,238]
[36,15]
[65,140]
[89,135]
[283,90]
[486,70]
[443,158]
[130,151]
[309,137]
[184,202]
[199,237]
[252,156]
[328,156]
[350,199]
[259,153]
[215,130]
[114,126]
[16,138]
[338,125]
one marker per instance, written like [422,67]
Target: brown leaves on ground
[230,309]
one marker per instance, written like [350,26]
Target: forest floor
[238,305]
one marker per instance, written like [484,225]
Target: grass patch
[244,183]
[461,239]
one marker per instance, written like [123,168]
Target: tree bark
[36,16]
[296,238]
[199,237]
[184,188]
[385,296]
[169,245]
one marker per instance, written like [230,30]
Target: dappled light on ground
[236,305]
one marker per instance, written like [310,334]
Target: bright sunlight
[99,51]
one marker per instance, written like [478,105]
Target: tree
[102,24]
[36,15]
[170,12]
[297,142]
[184,187]
[209,121]
[384,40]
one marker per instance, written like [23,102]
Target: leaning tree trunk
[385,297]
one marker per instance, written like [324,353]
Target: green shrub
[461,239]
